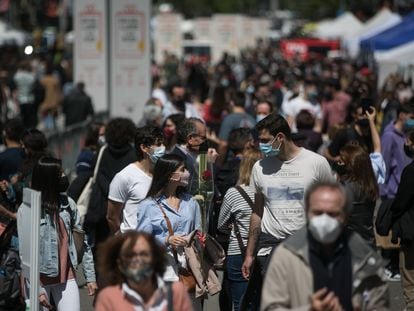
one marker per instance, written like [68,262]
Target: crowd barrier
[67,144]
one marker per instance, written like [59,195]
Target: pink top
[65,266]
[121,297]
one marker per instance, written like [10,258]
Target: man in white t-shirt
[306,100]
[280,181]
[131,184]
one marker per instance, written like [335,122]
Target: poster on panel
[130,58]
[90,51]
[167,35]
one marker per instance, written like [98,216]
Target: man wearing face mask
[238,118]
[131,184]
[178,104]
[323,266]
[280,181]
[190,136]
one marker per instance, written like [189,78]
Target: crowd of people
[301,154]
[41,91]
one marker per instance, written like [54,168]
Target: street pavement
[397,301]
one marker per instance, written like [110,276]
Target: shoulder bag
[185,276]
[83,201]
[236,226]
[77,234]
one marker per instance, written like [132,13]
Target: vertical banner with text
[91,50]
[167,35]
[226,35]
[130,57]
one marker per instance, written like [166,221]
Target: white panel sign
[28,224]
[130,57]
[248,32]
[91,50]
[226,34]
[167,35]
[202,28]
[261,27]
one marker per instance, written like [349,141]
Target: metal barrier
[67,144]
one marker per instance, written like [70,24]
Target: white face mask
[324,228]
[183,177]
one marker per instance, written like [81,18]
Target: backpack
[10,295]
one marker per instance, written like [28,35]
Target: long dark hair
[359,169]
[45,178]
[164,168]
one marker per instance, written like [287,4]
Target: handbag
[83,201]
[215,252]
[78,234]
[79,240]
[184,275]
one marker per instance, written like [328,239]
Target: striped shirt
[235,205]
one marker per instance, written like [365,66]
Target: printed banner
[130,57]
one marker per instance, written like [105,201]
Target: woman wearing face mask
[169,129]
[167,199]
[355,171]
[403,223]
[58,257]
[133,264]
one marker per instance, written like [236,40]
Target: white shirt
[283,185]
[130,186]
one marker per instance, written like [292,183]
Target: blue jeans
[238,283]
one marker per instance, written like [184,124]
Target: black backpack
[10,295]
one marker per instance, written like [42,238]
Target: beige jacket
[206,277]
[288,282]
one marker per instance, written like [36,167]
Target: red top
[116,298]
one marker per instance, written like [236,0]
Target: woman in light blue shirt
[168,195]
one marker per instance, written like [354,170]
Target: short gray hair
[346,193]
[187,128]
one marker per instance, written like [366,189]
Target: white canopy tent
[339,27]
[11,35]
[383,20]
[399,59]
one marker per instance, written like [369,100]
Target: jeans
[238,283]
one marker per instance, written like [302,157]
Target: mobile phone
[366,104]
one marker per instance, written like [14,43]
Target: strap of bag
[98,162]
[245,196]
[170,296]
[170,230]
[236,226]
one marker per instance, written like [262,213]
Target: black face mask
[63,183]
[363,122]
[408,150]
[339,169]
[179,104]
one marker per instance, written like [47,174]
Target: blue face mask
[408,124]
[268,150]
[156,154]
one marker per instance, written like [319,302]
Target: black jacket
[114,159]
[403,207]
